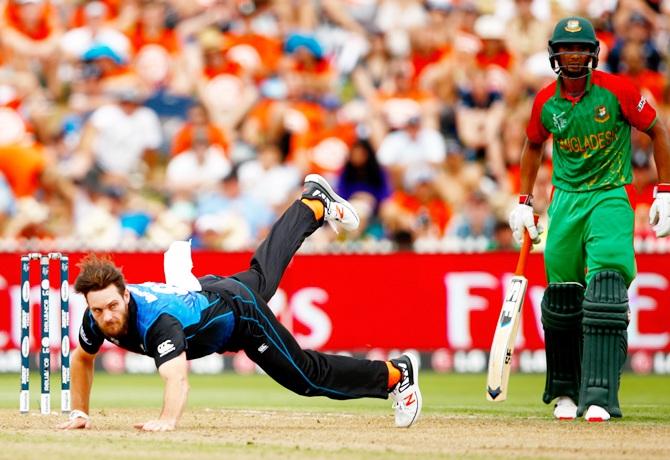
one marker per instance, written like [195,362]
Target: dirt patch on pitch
[210,434]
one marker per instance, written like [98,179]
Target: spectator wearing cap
[108,69]
[30,35]
[94,31]
[416,211]
[638,30]
[308,71]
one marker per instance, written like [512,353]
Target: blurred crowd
[128,124]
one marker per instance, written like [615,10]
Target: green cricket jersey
[591,135]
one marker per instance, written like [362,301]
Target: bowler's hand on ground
[156,425]
[78,423]
[522,218]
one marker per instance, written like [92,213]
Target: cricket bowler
[173,325]
[589,255]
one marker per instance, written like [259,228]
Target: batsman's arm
[82,381]
[660,139]
[531,159]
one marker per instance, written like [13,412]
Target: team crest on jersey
[573,26]
[601,115]
[559,122]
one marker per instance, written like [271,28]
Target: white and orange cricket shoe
[565,408]
[596,414]
[406,394]
[336,208]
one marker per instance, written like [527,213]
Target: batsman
[589,255]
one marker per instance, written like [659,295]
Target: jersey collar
[574,100]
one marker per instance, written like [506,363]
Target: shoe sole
[323,183]
[419,399]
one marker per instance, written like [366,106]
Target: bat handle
[525,250]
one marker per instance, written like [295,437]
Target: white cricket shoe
[565,408]
[406,394]
[336,208]
[596,414]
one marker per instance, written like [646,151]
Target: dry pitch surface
[314,429]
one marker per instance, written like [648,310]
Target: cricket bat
[502,347]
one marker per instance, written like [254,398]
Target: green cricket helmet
[573,30]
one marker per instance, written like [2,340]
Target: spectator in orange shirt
[417,212]
[30,176]
[323,148]
[222,84]
[307,65]
[651,83]
[79,19]
[30,34]
[494,58]
[400,98]
[198,119]
[151,28]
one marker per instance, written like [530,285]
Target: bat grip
[525,250]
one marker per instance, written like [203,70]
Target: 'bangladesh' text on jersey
[164,321]
[591,137]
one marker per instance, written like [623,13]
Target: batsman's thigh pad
[609,235]
[605,341]
[562,321]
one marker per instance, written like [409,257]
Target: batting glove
[521,218]
[659,213]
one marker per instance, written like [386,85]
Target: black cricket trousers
[267,342]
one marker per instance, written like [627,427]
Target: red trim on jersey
[535,131]
[661,188]
[634,106]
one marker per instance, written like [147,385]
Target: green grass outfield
[643,398]
[251,417]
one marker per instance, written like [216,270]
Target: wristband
[78,414]
[526,199]
[661,188]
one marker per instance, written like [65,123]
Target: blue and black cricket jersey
[164,321]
